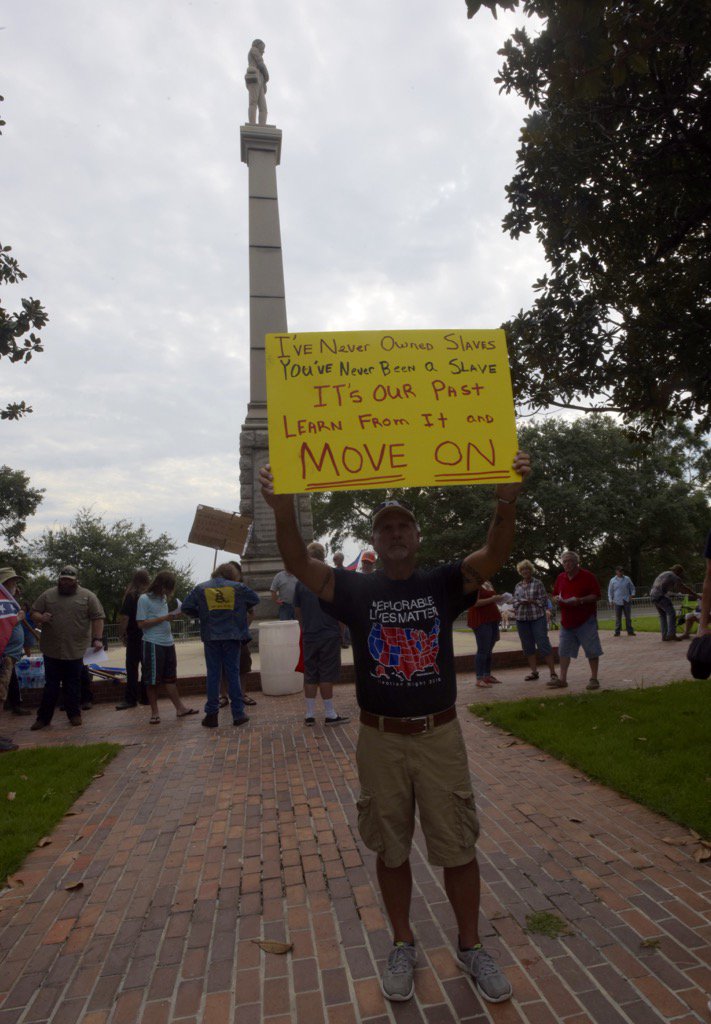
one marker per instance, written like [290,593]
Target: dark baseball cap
[68,573]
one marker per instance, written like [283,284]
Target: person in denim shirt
[620,591]
[223,606]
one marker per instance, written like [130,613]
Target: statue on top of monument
[256,78]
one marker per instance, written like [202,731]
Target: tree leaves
[612,175]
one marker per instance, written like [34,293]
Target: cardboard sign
[367,409]
[222,531]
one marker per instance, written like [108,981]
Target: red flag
[355,564]
[8,616]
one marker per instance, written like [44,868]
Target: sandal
[224,701]
[483,684]
[248,701]
[190,711]
[492,679]
[154,720]
[531,676]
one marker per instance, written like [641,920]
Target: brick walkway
[195,842]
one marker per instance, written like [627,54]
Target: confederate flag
[8,616]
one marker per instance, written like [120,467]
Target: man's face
[618,573]
[396,538]
[12,586]
[67,586]
[367,566]
[570,565]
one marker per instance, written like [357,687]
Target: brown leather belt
[408,726]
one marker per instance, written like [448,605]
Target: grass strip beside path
[653,745]
[45,782]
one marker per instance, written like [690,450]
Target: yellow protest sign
[366,409]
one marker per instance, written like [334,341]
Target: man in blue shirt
[224,607]
[620,591]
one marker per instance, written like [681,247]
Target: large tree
[105,555]
[613,176]
[18,501]
[596,488]
[18,340]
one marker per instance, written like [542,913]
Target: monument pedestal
[261,151]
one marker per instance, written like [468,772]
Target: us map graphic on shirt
[404,640]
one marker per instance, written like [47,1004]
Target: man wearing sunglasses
[410,746]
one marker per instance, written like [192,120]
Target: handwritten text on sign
[366,409]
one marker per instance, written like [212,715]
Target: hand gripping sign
[367,409]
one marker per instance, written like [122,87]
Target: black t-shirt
[401,632]
[128,608]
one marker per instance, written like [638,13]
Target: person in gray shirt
[321,637]
[282,591]
[666,583]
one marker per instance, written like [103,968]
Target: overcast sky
[125,202]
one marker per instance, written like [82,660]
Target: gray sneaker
[398,980]
[491,982]
[594,684]
[554,683]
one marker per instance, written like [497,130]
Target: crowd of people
[575,593]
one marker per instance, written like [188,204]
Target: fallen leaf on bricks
[677,840]
[273,947]
[511,743]
[15,880]
[650,943]
[701,854]
[578,821]
[99,775]
[44,841]
[73,887]
[11,796]
[70,814]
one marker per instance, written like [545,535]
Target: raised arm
[483,564]
[315,575]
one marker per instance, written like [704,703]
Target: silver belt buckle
[421,718]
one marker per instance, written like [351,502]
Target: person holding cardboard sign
[410,747]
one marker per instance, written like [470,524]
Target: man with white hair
[577,592]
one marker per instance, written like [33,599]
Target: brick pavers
[195,842]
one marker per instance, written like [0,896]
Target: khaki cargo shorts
[428,770]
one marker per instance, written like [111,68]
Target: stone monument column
[261,151]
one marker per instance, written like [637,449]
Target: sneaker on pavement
[38,724]
[554,683]
[211,721]
[594,684]
[75,720]
[398,980]
[338,720]
[240,720]
[490,981]
[309,720]
[124,705]
[7,745]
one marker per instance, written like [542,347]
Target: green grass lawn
[46,781]
[640,624]
[653,745]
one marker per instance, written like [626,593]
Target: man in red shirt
[577,592]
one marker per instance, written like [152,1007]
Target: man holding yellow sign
[410,746]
